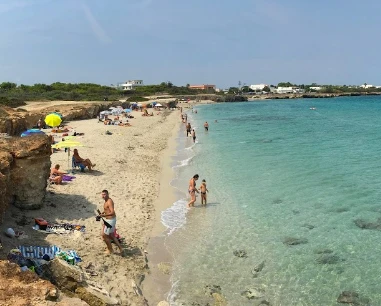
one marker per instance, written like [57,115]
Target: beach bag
[42,224]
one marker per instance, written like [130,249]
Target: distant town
[254,89]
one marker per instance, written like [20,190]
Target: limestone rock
[353,298]
[210,289]
[24,171]
[240,253]
[163,303]
[253,293]
[22,288]
[64,275]
[328,259]
[219,300]
[165,267]
[294,241]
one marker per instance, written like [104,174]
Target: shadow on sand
[57,206]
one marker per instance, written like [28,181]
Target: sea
[294,204]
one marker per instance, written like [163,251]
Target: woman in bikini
[192,190]
[56,175]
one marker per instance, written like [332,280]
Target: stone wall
[24,171]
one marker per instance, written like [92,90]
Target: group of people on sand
[56,176]
[109,215]
[192,189]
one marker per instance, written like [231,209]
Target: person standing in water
[192,190]
[203,191]
[189,129]
[193,135]
[206,126]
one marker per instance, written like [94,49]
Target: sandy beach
[129,164]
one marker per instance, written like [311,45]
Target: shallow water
[276,170]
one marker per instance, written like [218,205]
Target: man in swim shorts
[110,217]
[192,190]
[206,126]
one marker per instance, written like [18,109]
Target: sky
[217,42]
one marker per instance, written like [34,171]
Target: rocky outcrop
[23,288]
[14,122]
[70,279]
[24,171]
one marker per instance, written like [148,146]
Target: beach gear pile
[41,224]
[35,258]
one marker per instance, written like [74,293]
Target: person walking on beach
[192,190]
[206,126]
[110,216]
[203,191]
[193,135]
[189,129]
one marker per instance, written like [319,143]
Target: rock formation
[15,121]
[24,171]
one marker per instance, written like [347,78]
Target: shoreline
[156,284]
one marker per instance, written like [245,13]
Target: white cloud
[97,29]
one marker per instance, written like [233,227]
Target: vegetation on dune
[13,95]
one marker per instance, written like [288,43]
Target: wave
[183,162]
[174,217]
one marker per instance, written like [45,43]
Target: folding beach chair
[74,165]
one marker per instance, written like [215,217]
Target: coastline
[156,284]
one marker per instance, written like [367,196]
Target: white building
[286,90]
[258,87]
[317,88]
[131,84]
[366,86]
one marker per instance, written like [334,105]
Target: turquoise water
[276,170]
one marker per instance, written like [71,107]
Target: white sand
[128,165]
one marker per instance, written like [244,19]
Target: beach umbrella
[70,143]
[32,132]
[53,120]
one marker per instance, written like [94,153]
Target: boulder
[328,259]
[24,171]
[23,288]
[71,279]
[253,293]
[64,275]
[294,241]
[163,303]
[240,253]
[353,298]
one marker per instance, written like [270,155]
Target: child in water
[203,191]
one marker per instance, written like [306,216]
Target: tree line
[12,93]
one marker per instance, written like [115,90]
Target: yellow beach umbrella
[53,120]
[67,144]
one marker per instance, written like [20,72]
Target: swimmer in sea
[203,191]
[192,190]
[206,126]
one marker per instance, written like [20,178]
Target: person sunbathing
[86,162]
[56,175]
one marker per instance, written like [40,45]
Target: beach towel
[60,228]
[38,252]
[67,178]
[70,256]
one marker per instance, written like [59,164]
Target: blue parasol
[32,132]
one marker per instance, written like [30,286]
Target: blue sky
[197,42]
